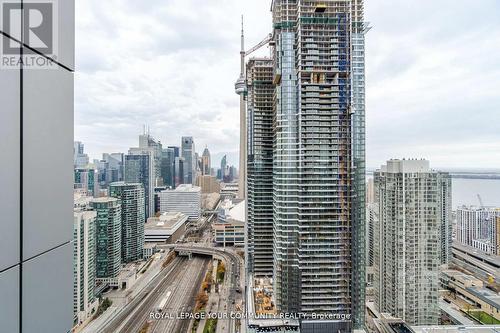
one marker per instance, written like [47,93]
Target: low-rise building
[148,250]
[229,191]
[262,313]
[470,294]
[167,228]
[125,279]
[389,324]
[229,230]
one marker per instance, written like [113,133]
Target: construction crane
[241,89]
[263,42]
[480,201]
[240,86]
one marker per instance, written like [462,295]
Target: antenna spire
[242,52]
[242,36]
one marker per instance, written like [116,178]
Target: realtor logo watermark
[35,24]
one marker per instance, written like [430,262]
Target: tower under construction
[319,162]
[260,167]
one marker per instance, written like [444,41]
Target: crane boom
[480,200]
[259,45]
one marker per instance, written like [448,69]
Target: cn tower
[241,89]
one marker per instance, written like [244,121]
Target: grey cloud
[432,75]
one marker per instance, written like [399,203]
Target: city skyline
[414,60]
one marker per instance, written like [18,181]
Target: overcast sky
[433,76]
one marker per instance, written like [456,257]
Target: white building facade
[185,199]
[479,227]
[229,230]
[411,231]
[84,301]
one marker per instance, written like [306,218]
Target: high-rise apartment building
[410,235]
[259,226]
[188,153]
[84,301]
[319,162]
[479,227]
[139,168]
[108,237]
[133,217]
[36,177]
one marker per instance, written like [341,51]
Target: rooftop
[238,212]
[406,166]
[465,279]
[185,188]
[266,317]
[81,201]
[167,220]
[116,184]
[104,199]
[486,295]
[229,186]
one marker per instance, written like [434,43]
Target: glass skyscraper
[188,153]
[168,166]
[131,197]
[259,232]
[319,162]
[139,169]
[108,237]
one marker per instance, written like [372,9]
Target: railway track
[129,319]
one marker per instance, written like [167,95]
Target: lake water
[465,191]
